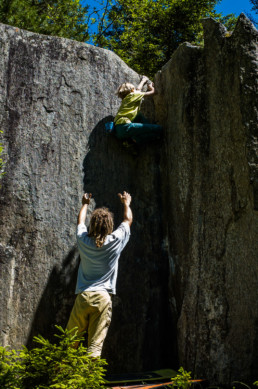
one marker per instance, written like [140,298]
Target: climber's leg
[91,312]
[121,131]
[79,316]
[142,133]
[99,321]
[139,132]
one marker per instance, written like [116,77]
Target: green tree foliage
[254,9]
[255,5]
[229,21]
[64,18]
[57,366]
[145,33]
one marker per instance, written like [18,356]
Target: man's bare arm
[126,199]
[83,212]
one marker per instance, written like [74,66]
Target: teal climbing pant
[140,130]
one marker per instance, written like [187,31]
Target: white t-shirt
[99,265]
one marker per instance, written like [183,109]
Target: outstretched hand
[86,198]
[144,79]
[150,85]
[125,198]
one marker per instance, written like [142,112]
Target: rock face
[56,96]
[188,279]
[207,103]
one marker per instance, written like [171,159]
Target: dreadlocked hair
[101,224]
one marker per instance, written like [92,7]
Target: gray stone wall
[56,95]
[207,103]
[188,277]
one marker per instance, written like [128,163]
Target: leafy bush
[182,380]
[57,366]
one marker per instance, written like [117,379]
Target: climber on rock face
[130,124]
[99,249]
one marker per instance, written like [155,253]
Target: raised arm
[83,212]
[126,199]
[142,82]
[150,89]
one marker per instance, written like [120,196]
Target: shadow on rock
[108,168]
[141,325]
[56,301]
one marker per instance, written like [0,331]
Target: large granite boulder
[207,103]
[56,95]
[187,285]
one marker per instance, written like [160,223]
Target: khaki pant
[92,313]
